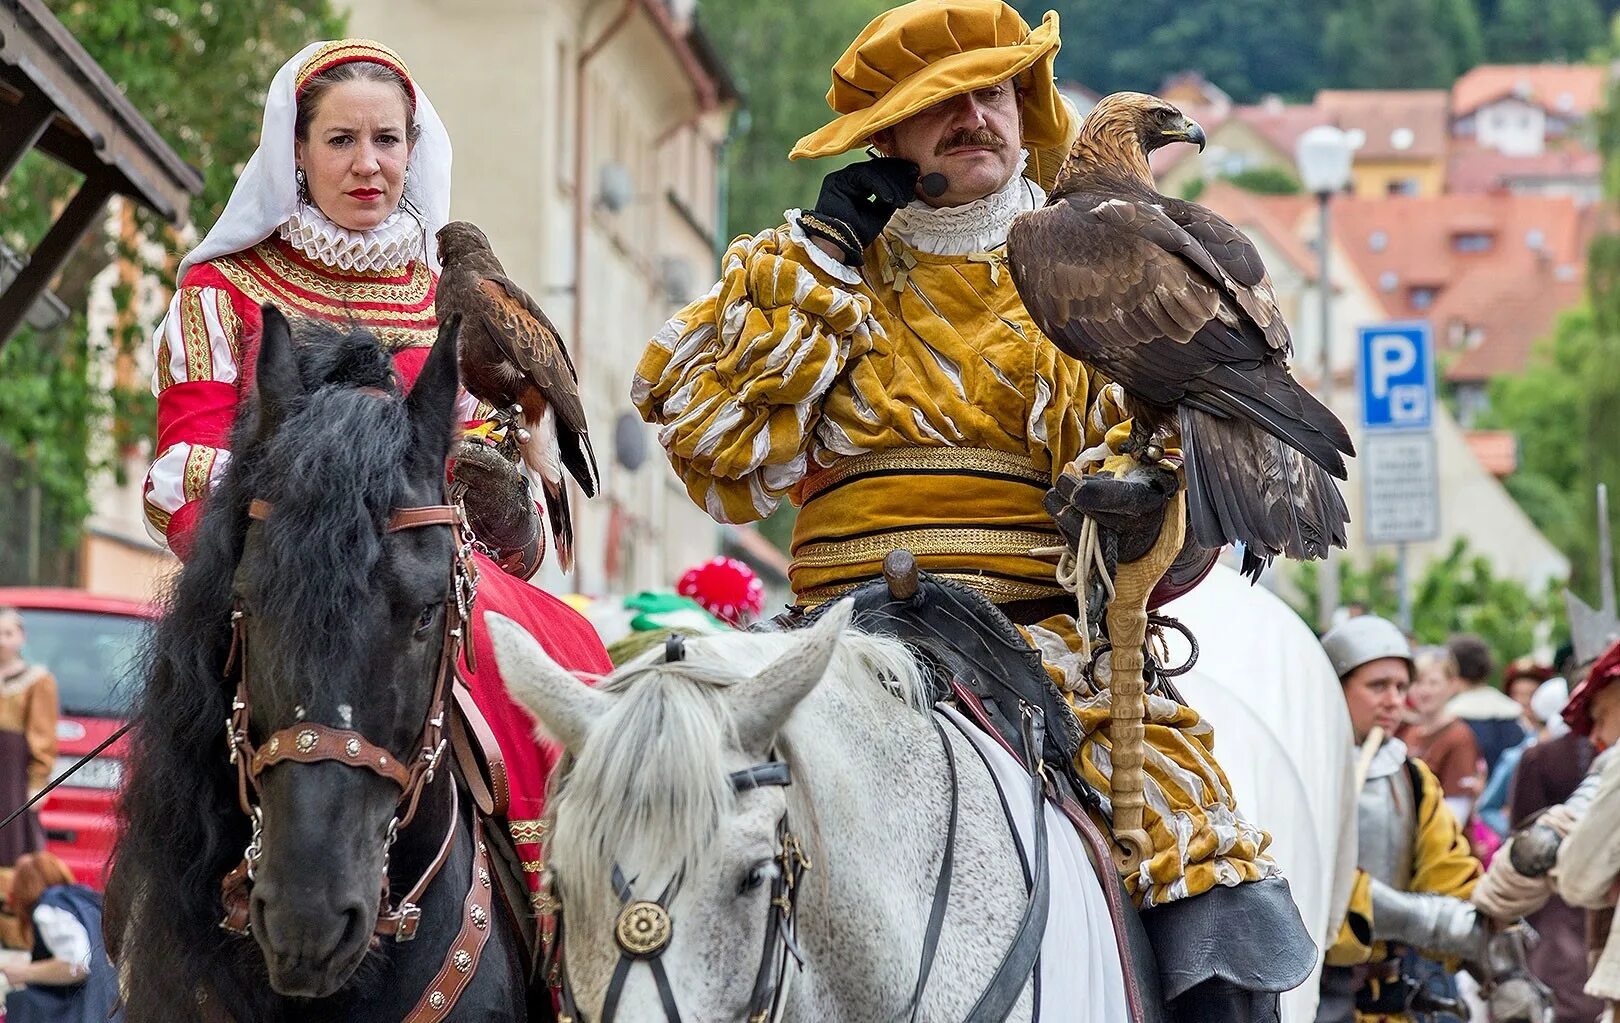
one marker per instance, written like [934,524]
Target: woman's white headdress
[266,195]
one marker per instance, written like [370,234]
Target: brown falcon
[1173,302]
[513,359]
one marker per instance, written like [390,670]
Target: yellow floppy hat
[926,51]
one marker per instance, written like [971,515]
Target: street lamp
[1324,154]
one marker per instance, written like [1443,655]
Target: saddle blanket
[570,641]
[1081,976]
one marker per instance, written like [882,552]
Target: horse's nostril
[354,929]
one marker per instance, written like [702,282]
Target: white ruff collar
[977,226]
[388,246]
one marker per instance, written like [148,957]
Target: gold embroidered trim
[896,460]
[925,540]
[346,50]
[391,336]
[199,466]
[997,589]
[528,831]
[347,285]
[194,335]
[230,323]
[158,518]
[534,866]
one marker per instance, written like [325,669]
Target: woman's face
[1430,689]
[11,638]
[354,158]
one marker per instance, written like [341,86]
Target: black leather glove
[1130,508]
[857,201]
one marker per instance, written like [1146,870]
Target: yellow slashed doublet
[912,403]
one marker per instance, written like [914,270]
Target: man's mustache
[975,137]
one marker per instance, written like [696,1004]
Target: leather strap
[402,518]
[942,885]
[483,765]
[461,961]
[309,742]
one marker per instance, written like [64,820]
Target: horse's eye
[425,619]
[764,870]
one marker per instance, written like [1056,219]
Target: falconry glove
[856,203]
[1130,509]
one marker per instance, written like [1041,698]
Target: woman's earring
[303,186]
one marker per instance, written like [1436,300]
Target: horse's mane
[651,785]
[330,470]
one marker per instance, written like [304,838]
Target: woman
[1441,741]
[28,713]
[333,218]
[69,979]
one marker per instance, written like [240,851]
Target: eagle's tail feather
[1287,411]
[1246,485]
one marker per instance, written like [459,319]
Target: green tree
[782,59]
[1457,593]
[1407,44]
[1267,181]
[1525,31]
[197,69]
[1249,49]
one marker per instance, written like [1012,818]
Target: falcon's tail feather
[580,460]
[1246,485]
[542,456]
[1278,404]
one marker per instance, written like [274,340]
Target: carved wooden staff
[1127,621]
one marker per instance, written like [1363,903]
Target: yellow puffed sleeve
[735,381]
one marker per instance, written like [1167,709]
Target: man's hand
[1504,893]
[1131,508]
[856,203]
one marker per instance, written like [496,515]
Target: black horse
[343,623]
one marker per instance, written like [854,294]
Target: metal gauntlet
[1441,924]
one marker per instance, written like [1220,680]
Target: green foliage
[1457,593]
[782,59]
[1535,30]
[197,70]
[1266,181]
[1407,44]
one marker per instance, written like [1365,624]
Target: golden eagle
[1174,303]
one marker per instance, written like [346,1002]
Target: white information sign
[1400,487]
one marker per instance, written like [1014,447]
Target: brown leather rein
[308,742]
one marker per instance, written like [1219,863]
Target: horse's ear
[762,704]
[432,402]
[564,708]
[276,378]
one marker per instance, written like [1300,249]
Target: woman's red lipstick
[366,194]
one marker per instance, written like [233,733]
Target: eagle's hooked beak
[1190,131]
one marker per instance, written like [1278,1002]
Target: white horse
[650,812]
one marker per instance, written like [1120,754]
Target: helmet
[1365,638]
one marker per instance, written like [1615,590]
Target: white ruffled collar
[977,226]
[389,246]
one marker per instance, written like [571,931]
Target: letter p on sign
[1393,356]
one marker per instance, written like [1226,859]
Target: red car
[93,646]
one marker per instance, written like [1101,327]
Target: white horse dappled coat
[646,790]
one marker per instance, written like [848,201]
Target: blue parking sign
[1397,376]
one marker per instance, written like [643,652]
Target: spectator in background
[1546,704]
[1496,719]
[28,713]
[69,979]
[1435,736]
[1520,681]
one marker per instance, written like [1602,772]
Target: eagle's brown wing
[1117,283]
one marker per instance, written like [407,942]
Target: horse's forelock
[651,785]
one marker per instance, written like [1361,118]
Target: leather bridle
[644,926]
[308,742]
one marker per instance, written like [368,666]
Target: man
[1415,871]
[1496,718]
[870,360]
[1588,870]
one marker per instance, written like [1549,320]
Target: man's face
[11,638]
[1376,695]
[1606,716]
[973,139]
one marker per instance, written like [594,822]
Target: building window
[1402,186]
[1378,241]
[1388,280]
[1422,298]
[1471,241]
